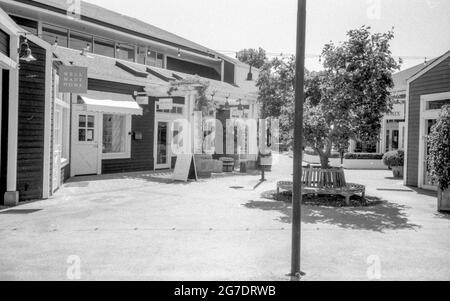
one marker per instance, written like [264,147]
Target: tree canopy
[347,100]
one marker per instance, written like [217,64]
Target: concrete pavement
[142,226]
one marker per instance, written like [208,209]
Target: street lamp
[296,272]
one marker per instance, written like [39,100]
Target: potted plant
[439,158]
[395,160]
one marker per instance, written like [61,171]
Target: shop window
[52,34]
[155,59]
[103,47]
[80,41]
[116,141]
[125,52]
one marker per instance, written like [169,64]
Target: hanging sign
[185,168]
[73,79]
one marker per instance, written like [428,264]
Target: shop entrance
[86,143]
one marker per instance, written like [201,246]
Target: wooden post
[298,141]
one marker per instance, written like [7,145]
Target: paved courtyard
[142,226]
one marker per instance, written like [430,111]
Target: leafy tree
[439,157]
[254,57]
[347,100]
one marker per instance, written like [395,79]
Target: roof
[115,70]
[101,14]
[243,91]
[106,68]
[430,66]
[401,78]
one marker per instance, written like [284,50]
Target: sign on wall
[73,79]
[165,104]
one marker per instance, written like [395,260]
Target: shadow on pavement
[379,216]
[424,192]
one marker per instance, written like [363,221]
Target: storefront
[428,92]
[393,125]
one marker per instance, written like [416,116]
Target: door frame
[79,109]
[427,115]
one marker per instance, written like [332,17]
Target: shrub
[311,152]
[363,156]
[439,156]
[394,159]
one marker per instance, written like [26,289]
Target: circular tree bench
[325,182]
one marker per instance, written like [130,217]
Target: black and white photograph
[241,141]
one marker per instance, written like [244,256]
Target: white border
[426,115]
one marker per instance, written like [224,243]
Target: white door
[163,155]
[86,144]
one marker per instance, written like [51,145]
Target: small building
[427,92]
[127,119]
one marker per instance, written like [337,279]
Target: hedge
[363,156]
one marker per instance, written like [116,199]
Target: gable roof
[401,78]
[429,67]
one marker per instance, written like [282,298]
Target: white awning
[111,103]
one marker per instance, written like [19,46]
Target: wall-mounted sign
[142,100]
[165,104]
[73,79]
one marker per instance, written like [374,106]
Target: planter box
[444,200]
[398,171]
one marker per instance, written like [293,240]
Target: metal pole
[298,140]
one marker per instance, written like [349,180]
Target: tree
[439,157]
[347,100]
[252,57]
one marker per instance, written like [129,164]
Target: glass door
[163,156]
[429,123]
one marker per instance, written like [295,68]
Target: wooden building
[428,91]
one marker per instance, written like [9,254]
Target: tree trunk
[325,161]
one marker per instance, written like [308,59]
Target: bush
[439,156]
[363,156]
[394,159]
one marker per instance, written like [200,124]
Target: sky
[421,27]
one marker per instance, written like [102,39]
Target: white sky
[422,27]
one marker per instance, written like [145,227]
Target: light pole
[298,141]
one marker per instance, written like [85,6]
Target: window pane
[113,134]
[103,47]
[160,60]
[80,41]
[82,121]
[438,104]
[82,135]
[151,58]
[91,120]
[90,135]
[51,34]
[142,53]
[125,52]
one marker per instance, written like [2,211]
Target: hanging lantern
[25,53]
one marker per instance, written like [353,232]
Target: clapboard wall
[30,150]
[4,43]
[436,80]
[141,150]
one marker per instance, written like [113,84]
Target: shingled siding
[4,43]
[30,152]
[437,80]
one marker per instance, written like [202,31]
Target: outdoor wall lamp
[25,53]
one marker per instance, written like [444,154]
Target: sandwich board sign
[185,168]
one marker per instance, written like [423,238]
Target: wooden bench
[327,182]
